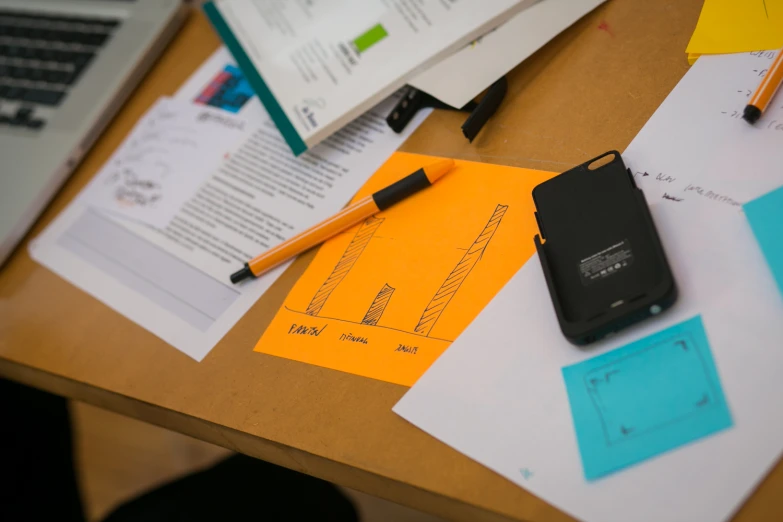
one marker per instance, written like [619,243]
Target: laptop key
[35,34]
[60,77]
[24,113]
[13,93]
[17,32]
[9,51]
[108,24]
[46,55]
[70,78]
[95,39]
[73,57]
[35,124]
[43,97]
[80,59]
[36,75]
[18,73]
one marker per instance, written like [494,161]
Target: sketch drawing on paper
[139,173]
[451,285]
[437,304]
[344,265]
[660,398]
[137,190]
[378,305]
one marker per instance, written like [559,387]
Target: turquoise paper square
[646,398]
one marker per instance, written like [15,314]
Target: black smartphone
[600,252]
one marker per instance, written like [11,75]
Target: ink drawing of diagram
[404,275]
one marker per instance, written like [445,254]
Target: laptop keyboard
[41,57]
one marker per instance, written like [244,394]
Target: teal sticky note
[645,398]
[765,215]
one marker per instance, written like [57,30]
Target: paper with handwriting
[697,149]
[173,148]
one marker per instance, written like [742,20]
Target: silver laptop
[66,66]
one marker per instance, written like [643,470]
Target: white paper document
[174,281]
[168,154]
[319,64]
[459,78]
[696,148]
[498,395]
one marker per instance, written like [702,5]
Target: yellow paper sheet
[386,298]
[736,26]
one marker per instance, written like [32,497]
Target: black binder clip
[480,112]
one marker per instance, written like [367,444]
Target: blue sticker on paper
[229,91]
[645,398]
[765,215]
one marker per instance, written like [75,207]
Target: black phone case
[600,252]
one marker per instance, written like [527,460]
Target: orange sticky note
[386,298]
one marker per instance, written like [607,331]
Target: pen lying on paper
[766,91]
[345,219]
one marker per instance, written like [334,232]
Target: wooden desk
[588,91]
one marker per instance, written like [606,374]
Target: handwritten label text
[300,329]
[720,198]
[407,349]
[353,338]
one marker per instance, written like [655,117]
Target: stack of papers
[204,183]
[318,65]
[697,150]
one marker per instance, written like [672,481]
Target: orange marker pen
[344,219]
[766,90]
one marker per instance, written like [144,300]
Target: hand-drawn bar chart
[457,276]
[387,297]
[443,296]
[378,305]
[344,265]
